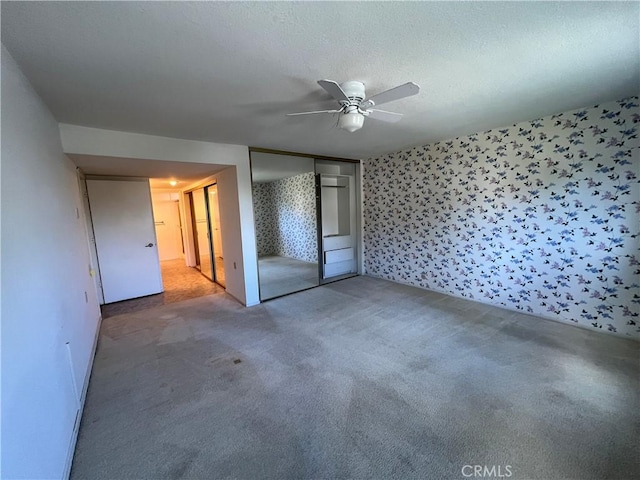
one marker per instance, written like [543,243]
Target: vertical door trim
[212,248]
[319,228]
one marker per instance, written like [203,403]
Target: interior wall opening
[141,243]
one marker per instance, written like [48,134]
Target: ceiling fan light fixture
[351,121]
[354,107]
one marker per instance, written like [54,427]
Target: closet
[306,213]
[337,207]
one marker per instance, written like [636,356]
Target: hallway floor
[180,283]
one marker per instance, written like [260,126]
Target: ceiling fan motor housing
[352,118]
[354,90]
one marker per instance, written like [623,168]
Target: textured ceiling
[229,72]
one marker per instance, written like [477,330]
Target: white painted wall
[48,325]
[93,141]
[91,241]
[166,215]
[231,229]
[184,210]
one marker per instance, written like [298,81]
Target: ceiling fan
[353,106]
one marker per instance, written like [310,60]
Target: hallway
[180,283]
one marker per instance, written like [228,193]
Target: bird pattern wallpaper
[263,218]
[285,217]
[540,217]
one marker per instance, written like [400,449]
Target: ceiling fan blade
[334,90]
[385,116]
[391,95]
[311,113]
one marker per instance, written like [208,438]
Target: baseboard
[510,308]
[242,302]
[83,396]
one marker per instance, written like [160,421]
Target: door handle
[149,245]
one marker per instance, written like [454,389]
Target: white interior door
[125,238]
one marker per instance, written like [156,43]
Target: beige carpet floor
[359,379]
[283,275]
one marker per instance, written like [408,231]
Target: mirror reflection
[205,209]
[202,233]
[216,234]
[284,202]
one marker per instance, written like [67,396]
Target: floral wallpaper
[263,217]
[285,213]
[541,217]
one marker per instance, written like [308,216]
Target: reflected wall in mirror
[216,233]
[284,202]
[199,209]
[205,210]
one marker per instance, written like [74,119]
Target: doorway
[166,214]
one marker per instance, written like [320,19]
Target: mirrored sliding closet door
[284,203]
